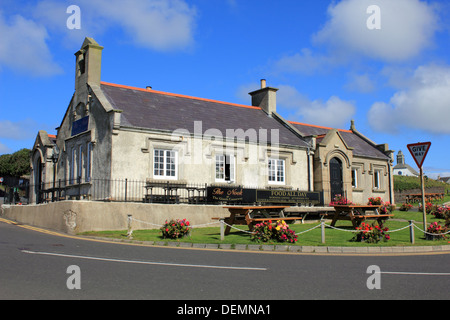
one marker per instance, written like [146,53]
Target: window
[80,164]
[225,168]
[165,164]
[276,171]
[72,166]
[377,179]
[89,162]
[354,178]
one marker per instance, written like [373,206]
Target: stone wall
[74,217]
[400,196]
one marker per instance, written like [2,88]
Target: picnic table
[357,214]
[417,197]
[250,215]
[170,191]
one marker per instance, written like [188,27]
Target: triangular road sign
[419,151]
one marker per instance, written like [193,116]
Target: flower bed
[268,231]
[375,201]
[175,229]
[435,231]
[340,200]
[371,233]
[405,207]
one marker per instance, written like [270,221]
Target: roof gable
[361,147]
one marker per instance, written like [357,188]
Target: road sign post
[419,151]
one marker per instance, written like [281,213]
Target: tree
[16,164]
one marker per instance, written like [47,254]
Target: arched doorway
[336,183]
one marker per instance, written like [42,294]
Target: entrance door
[336,183]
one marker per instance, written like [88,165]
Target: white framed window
[377,179]
[72,166]
[277,171]
[355,178]
[80,164]
[225,168]
[89,162]
[165,164]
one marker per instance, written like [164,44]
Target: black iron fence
[158,191]
[118,190]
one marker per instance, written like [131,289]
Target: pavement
[292,249]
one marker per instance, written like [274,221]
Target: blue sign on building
[80,126]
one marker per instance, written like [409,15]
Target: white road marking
[416,273]
[144,262]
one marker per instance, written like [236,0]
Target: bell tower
[88,65]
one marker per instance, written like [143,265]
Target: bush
[441,212]
[340,200]
[387,208]
[267,231]
[375,201]
[429,208]
[175,229]
[371,233]
[405,207]
[437,231]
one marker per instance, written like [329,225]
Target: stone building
[111,131]
[402,168]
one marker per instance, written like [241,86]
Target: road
[35,265]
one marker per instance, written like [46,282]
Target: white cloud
[424,104]
[361,83]
[407,28]
[153,24]
[20,130]
[24,47]
[4,149]
[304,62]
[334,112]
[157,24]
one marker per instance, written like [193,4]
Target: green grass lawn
[311,238]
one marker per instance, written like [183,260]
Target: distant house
[111,131]
[402,168]
[444,179]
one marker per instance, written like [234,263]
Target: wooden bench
[157,198]
[357,213]
[251,215]
[379,217]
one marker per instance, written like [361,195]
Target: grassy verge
[333,237]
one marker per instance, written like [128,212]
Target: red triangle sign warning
[419,151]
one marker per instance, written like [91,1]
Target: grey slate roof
[157,110]
[361,147]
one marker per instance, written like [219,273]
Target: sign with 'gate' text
[419,151]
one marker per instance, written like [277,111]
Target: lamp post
[55,157]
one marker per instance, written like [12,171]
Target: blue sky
[393,78]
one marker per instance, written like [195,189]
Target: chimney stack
[265,98]
[263,83]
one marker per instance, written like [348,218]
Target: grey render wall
[74,217]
